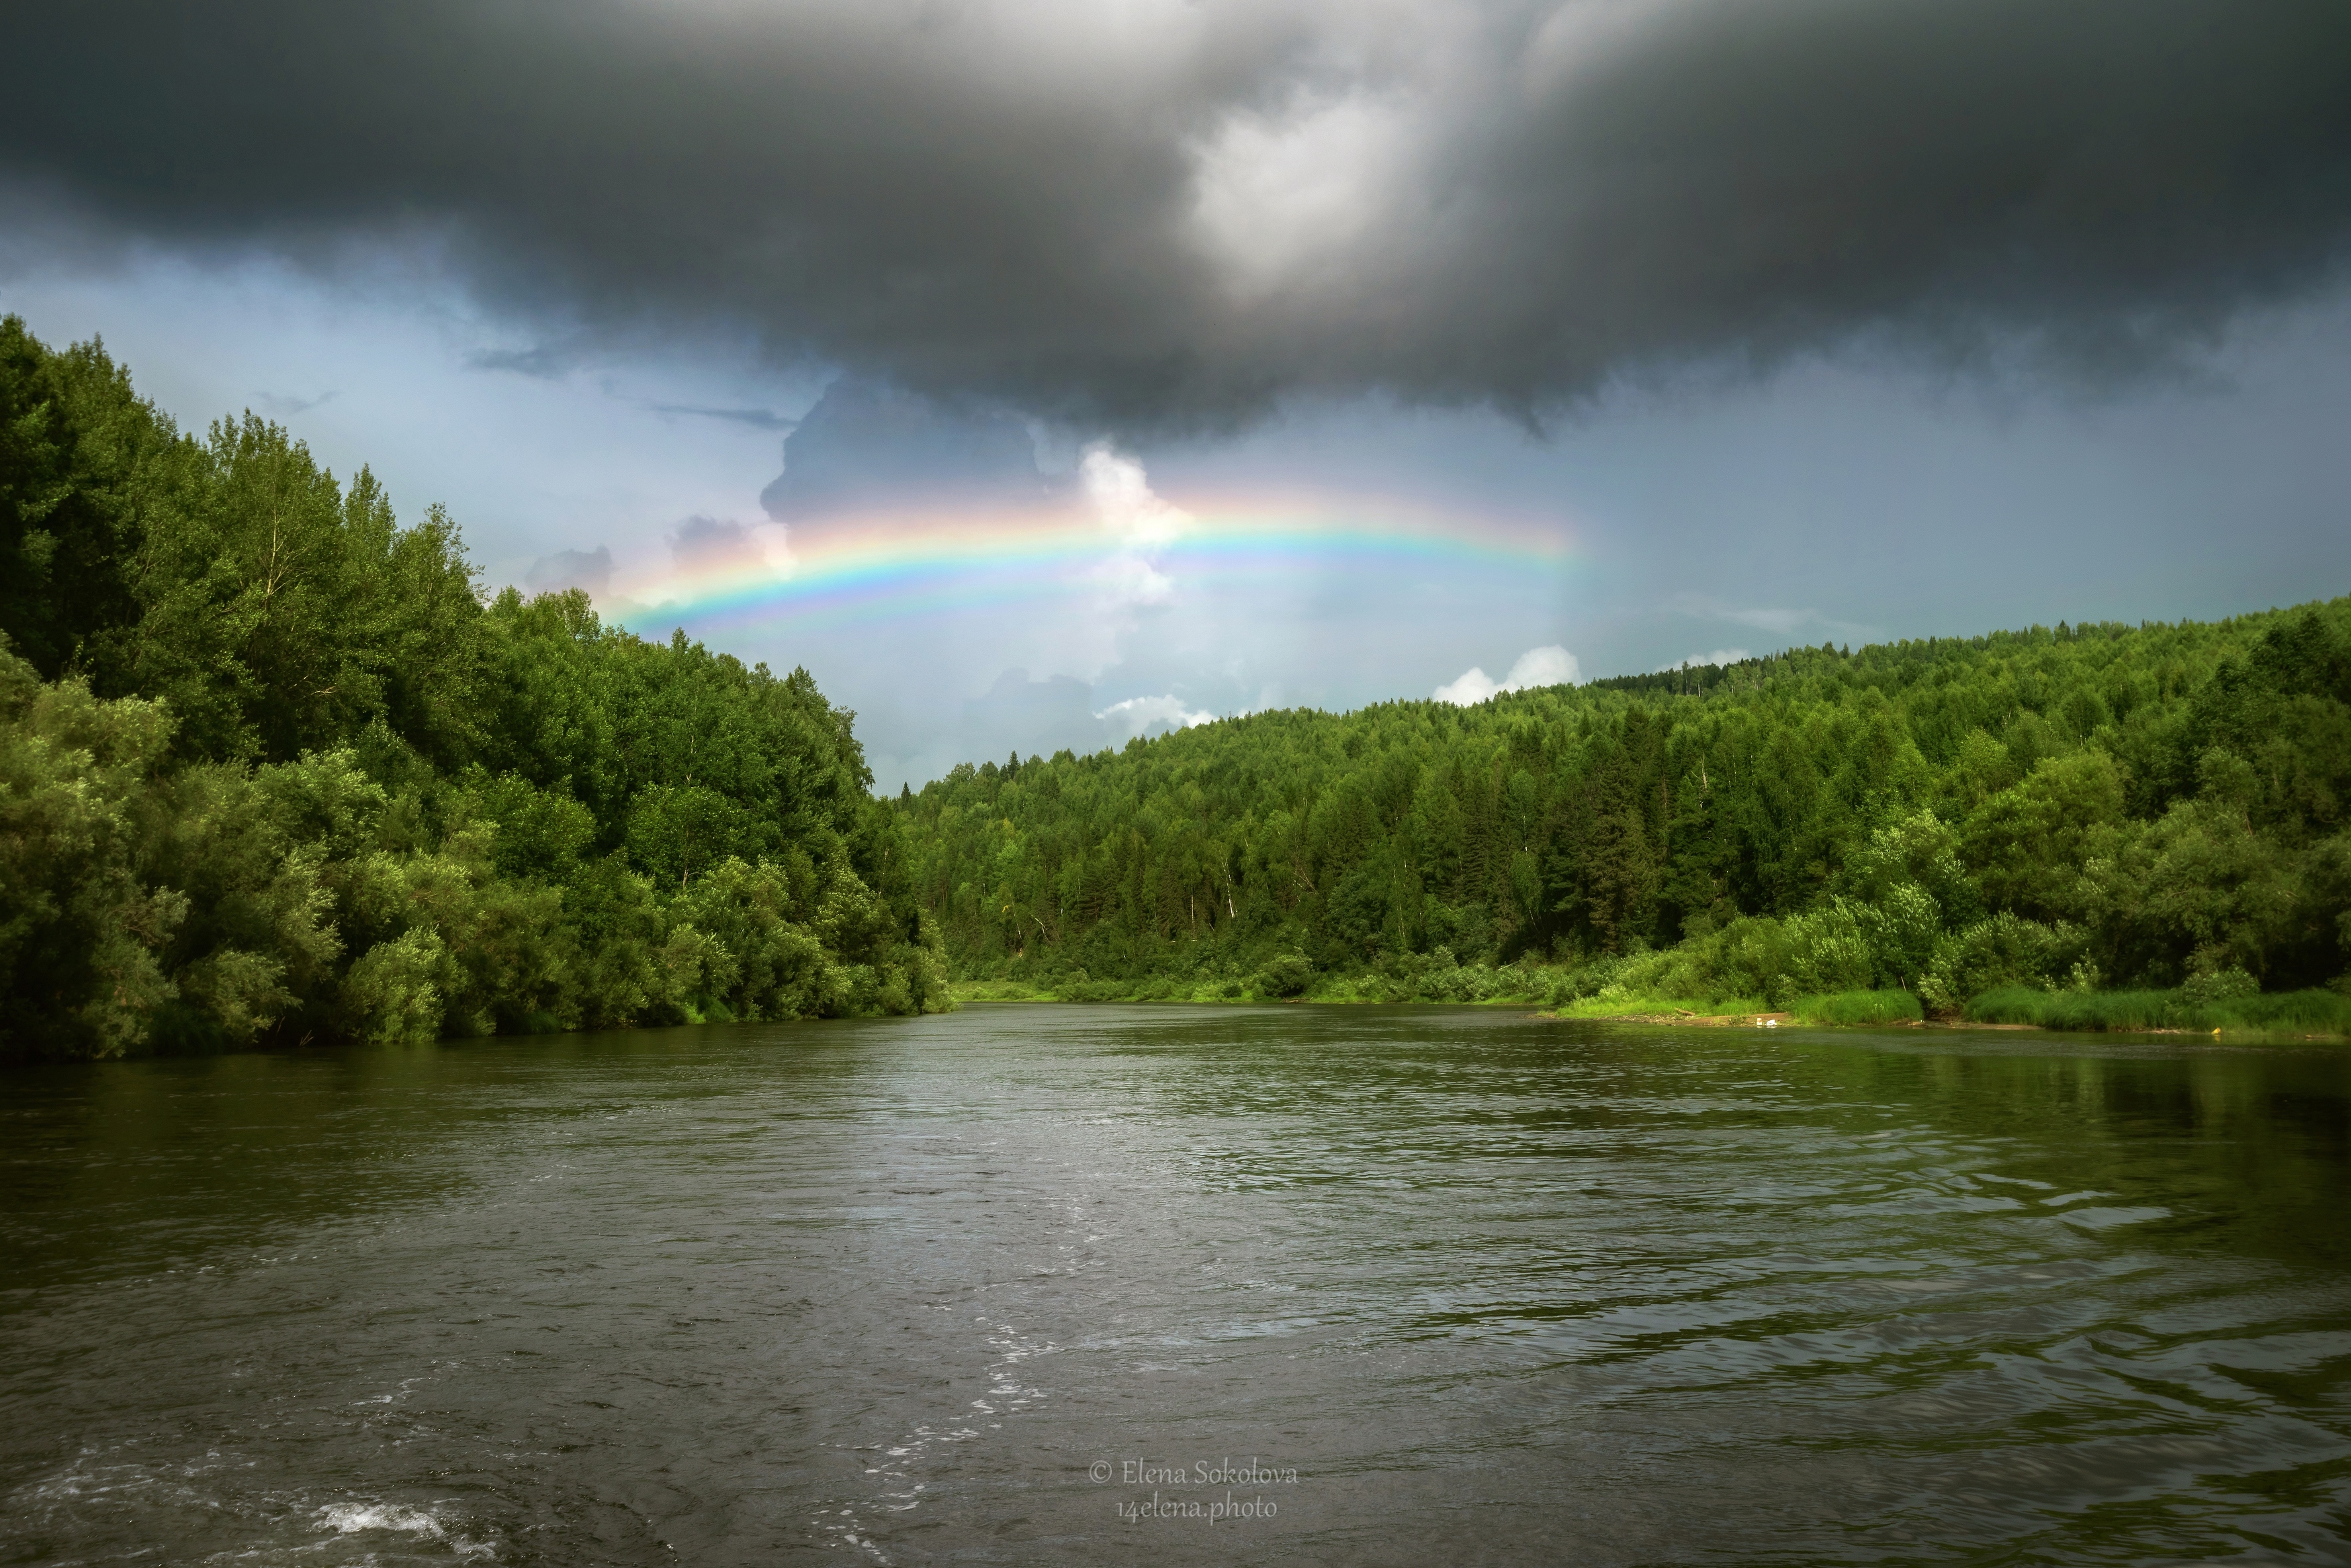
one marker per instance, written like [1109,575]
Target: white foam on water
[1011,1348]
[349,1518]
[403,1518]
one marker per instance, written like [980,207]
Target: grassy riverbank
[2291,1015]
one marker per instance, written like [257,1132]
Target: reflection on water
[1072,1285]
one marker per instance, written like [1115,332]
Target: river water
[1183,1285]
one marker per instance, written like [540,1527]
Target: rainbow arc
[915,562]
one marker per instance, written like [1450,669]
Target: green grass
[1480,987]
[2290,1011]
[1859,1007]
[1642,1006]
[2285,1014]
[1152,990]
[2305,1011]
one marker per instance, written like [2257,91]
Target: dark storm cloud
[758,419]
[865,445]
[1139,215]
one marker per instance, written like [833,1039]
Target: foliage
[2003,951]
[1860,1007]
[2064,809]
[273,770]
[1289,974]
[2298,1012]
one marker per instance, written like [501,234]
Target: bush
[1585,981]
[1999,952]
[1826,951]
[1902,927]
[391,997]
[1822,951]
[2223,985]
[1287,975]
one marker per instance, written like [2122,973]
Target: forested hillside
[273,770]
[2090,808]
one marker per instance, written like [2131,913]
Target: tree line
[2084,809]
[274,768]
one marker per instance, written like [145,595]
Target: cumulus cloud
[1169,212]
[1140,524]
[1142,715]
[1122,498]
[1553,666]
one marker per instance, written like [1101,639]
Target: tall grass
[1859,1007]
[2311,1011]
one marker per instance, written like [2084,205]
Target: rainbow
[919,562]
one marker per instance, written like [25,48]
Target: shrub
[1826,952]
[2001,951]
[1289,974]
[390,997]
[1902,927]
[2222,985]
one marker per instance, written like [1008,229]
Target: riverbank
[2308,1015]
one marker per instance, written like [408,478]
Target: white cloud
[1552,666]
[1475,686]
[1720,656]
[1141,523]
[1141,715]
[1123,499]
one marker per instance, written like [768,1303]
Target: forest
[277,769]
[274,768]
[2089,824]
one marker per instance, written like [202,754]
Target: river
[1183,1285]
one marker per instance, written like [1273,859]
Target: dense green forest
[273,768]
[2005,824]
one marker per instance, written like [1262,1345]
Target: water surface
[1081,1285]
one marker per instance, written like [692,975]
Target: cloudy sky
[1043,374]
